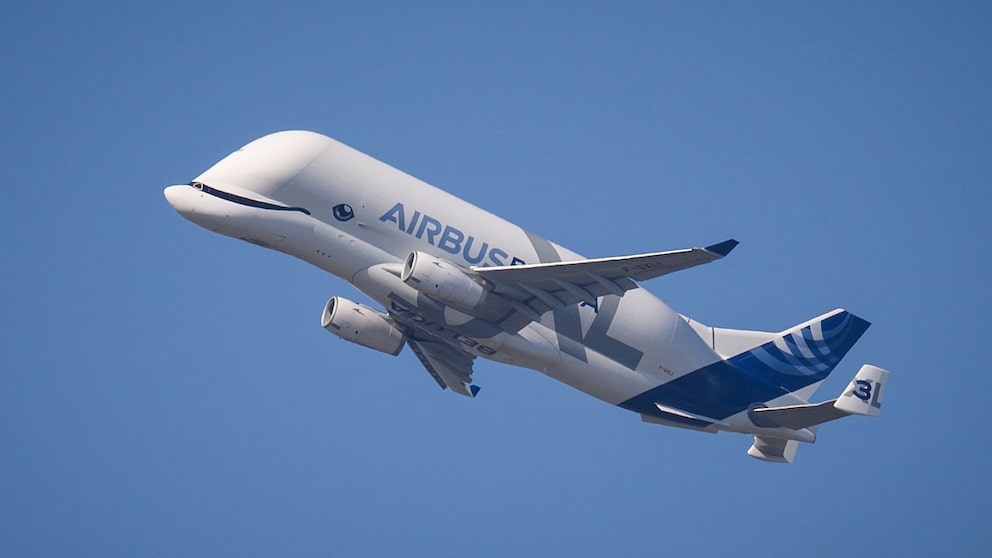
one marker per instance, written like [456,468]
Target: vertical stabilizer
[805,354]
[783,370]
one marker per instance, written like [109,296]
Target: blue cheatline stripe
[243,200]
[730,386]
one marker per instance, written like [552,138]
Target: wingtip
[474,389]
[723,248]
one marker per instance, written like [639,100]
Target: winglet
[723,248]
[474,389]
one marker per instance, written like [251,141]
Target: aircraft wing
[450,367]
[529,291]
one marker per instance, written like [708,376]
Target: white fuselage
[345,212]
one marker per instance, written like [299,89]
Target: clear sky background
[165,391]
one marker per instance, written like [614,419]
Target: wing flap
[686,414]
[450,367]
[775,450]
[797,417]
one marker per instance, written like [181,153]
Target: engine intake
[442,280]
[362,325]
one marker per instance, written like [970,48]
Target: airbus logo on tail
[447,238]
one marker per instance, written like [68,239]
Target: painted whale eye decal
[343,212]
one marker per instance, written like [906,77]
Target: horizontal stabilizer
[863,396]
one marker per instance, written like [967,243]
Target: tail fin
[787,368]
[803,356]
[784,368]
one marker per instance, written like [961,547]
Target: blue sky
[166,391]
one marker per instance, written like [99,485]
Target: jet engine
[363,325]
[441,280]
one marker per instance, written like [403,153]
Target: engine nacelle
[363,325]
[441,280]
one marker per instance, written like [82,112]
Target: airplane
[458,283]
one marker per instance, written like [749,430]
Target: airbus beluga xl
[456,283]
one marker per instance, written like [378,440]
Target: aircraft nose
[179,198]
